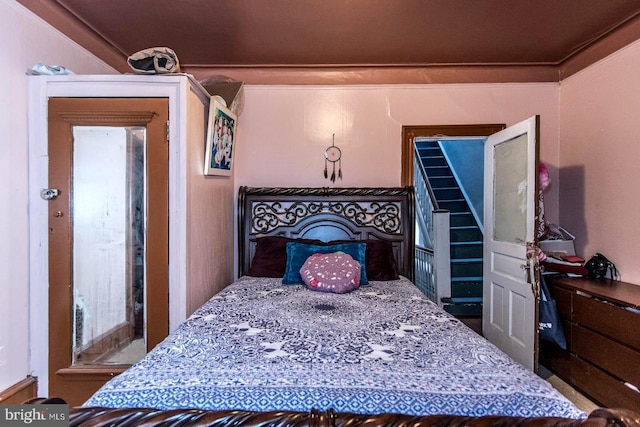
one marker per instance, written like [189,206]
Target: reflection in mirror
[510,186]
[108,244]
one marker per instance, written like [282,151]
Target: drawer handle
[632,387]
[582,294]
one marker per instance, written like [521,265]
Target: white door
[510,262]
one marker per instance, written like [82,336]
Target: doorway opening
[452,169]
[445,165]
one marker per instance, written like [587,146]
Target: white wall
[284,130]
[25,40]
[600,159]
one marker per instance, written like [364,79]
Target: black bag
[549,325]
[599,267]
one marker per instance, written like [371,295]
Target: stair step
[466,289]
[442,181]
[465,234]
[470,279]
[429,161]
[429,151]
[463,309]
[466,250]
[427,144]
[454,205]
[461,219]
[448,193]
[436,171]
[450,187]
[469,243]
[432,154]
[461,300]
[466,268]
[465,260]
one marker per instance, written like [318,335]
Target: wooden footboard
[98,417]
[110,417]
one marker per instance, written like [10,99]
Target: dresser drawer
[601,387]
[603,357]
[611,356]
[608,319]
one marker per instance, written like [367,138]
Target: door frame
[63,114]
[41,88]
[409,133]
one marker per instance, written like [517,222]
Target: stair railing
[432,257]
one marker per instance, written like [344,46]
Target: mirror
[109,215]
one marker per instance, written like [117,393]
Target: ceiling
[354,41]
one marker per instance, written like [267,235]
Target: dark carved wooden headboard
[328,214]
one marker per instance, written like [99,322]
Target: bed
[293,353]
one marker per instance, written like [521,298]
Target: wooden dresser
[601,319]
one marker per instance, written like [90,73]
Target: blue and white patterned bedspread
[261,345]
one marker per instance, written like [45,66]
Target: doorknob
[49,193]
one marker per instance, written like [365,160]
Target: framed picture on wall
[221,133]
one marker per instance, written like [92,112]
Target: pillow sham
[337,272]
[380,262]
[270,257]
[297,254]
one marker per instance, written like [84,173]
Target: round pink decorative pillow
[337,272]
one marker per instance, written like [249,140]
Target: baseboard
[20,392]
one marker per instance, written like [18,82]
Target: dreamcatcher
[333,154]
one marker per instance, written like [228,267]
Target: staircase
[465,234]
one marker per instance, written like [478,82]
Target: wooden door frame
[64,113]
[409,133]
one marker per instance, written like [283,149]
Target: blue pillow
[297,254]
